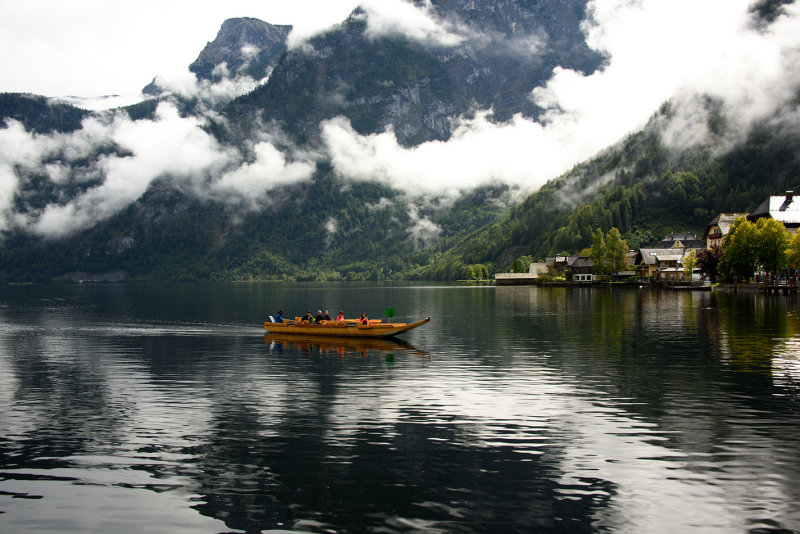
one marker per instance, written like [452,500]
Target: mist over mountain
[397,140]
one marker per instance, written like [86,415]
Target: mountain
[646,189]
[243,47]
[417,88]
[269,165]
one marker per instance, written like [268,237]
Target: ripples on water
[518,410]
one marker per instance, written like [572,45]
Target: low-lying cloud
[389,18]
[168,147]
[656,50]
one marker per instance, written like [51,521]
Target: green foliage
[608,252]
[773,239]
[793,252]
[599,253]
[40,114]
[689,263]
[749,246]
[615,249]
[740,259]
[654,191]
[707,261]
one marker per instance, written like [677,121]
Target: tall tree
[708,261]
[793,252]
[740,259]
[615,249]
[689,262]
[599,252]
[772,242]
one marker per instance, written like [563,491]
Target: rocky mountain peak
[242,46]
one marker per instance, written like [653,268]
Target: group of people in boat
[321,317]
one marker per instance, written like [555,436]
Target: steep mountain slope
[242,46]
[496,53]
[646,188]
[39,114]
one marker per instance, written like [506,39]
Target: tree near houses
[708,261]
[598,254]
[616,249]
[608,253]
[689,262]
[772,242]
[740,259]
[793,252]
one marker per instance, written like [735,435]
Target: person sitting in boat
[320,317]
[326,317]
[307,318]
[363,318]
[340,317]
[279,316]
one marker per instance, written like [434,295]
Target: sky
[92,48]
[656,50]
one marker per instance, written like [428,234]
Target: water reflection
[340,346]
[522,409]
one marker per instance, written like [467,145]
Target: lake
[165,408]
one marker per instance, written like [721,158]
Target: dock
[781,287]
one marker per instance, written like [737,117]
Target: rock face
[506,48]
[244,46]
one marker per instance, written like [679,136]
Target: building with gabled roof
[684,241]
[783,208]
[651,260]
[583,269]
[560,263]
[719,227]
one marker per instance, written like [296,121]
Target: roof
[681,240]
[783,208]
[537,268]
[655,256]
[553,260]
[582,261]
[724,221]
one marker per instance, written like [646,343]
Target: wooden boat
[346,328]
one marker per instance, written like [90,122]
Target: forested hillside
[646,190]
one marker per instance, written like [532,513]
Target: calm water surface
[165,408]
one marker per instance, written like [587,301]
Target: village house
[719,227]
[652,261]
[583,269]
[560,264]
[665,260]
[783,208]
[683,241]
[534,271]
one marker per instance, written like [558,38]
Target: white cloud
[18,148]
[399,17]
[249,184]
[520,152]
[422,231]
[171,147]
[95,47]
[214,94]
[168,146]
[656,49]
